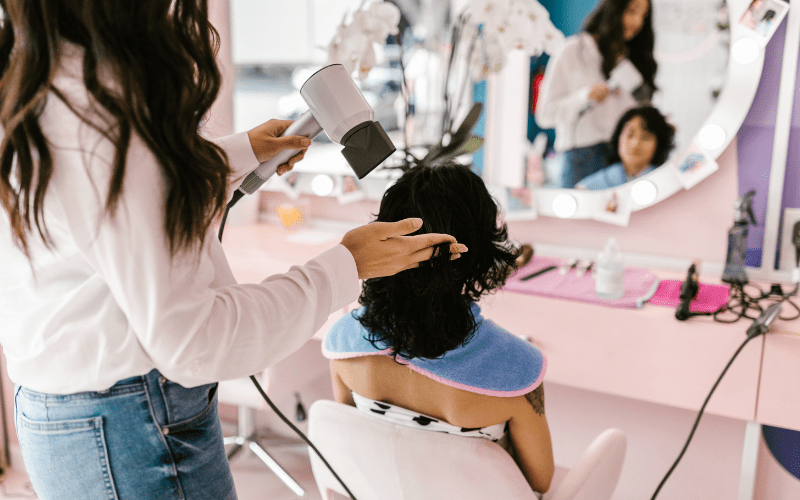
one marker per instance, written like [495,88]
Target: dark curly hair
[161,54]
[655,123]
[425,312]
[605,23]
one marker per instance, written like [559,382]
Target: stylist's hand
[265,143]
[599,92]
[382,249]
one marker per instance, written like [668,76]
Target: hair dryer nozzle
[344,114]
[365,147]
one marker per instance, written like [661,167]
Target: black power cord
[700,414]
[237,195]
[760,326]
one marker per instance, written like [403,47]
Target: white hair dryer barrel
[336,106]
[306,126]
[335,101]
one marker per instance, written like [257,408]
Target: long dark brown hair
[161,54]
[605,23]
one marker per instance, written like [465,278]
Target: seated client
[419,352]
[641,141]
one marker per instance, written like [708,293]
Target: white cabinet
[284,31]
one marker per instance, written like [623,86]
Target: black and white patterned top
[399,415]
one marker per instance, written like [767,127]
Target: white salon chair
[380,460]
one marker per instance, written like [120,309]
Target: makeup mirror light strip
[506,122]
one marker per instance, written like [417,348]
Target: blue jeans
[583,162]
[144,438]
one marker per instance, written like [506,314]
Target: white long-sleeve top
[110,303]
[564,103]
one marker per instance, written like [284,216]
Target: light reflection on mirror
[745,51]
[643,193]
[322,185]
[565,206]
[711,137]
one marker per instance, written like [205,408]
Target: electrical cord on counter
[759,327]
[237,195]
[741,302]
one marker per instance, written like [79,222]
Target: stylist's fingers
[456,249]
[286,167]
[266,143]
[277,127]
[428,249]
[381,249]
[406,226]
[292,142]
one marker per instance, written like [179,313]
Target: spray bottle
[734,272]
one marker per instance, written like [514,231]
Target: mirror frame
[504,119]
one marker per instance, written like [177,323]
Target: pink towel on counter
[640,284]
[709,297]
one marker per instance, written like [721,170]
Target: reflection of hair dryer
[689,290]
[336,106]
[625,76]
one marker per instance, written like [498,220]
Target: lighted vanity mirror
[709,67]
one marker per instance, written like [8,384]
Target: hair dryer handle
[305,126]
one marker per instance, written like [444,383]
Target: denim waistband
[129,384]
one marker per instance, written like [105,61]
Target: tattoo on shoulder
[536,399]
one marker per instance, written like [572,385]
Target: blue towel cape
[494,362]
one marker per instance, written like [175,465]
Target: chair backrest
[380,460]
[595,475]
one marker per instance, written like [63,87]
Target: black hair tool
[734,272]
[689,290]
[796,242]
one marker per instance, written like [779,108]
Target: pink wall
[220,120]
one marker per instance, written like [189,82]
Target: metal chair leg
[247,436]
[277,469]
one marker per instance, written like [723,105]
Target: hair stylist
[576,98]
[118,310]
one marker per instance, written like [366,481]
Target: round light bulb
[745,51]
[644,193]
[711,137]
[565,206]
[322,185]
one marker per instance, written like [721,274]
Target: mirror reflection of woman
[579,97]
[641,141]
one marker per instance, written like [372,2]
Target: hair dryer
[337,107]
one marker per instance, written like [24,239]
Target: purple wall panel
[754,144]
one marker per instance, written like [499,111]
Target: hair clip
[584,266]
[567,266]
